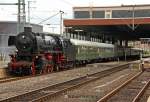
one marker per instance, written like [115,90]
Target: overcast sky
[41,9]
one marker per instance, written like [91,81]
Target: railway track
[130,91]
[14,78]
[45,93]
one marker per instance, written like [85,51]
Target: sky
[42,9]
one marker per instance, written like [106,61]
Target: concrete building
[110,24]
[112,12]
[10,29]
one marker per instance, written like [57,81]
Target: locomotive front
[21,61]
[25,41]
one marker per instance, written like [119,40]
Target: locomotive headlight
[36,57]
[23,37]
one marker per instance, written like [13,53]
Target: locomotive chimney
[27,29]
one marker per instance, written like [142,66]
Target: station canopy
[125,28]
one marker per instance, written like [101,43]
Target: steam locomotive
[43,53]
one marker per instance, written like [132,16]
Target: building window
[98,14]
[129,13]
[142,13]
[81,14]
[122,13]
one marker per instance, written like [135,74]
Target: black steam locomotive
[42,53]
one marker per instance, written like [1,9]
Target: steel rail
[38,95]
[136,99]
[9,79]
[13,78]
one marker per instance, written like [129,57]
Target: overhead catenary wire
[67,2]
[48,18]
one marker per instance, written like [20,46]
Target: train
[39,53]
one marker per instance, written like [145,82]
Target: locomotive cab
[68,50]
